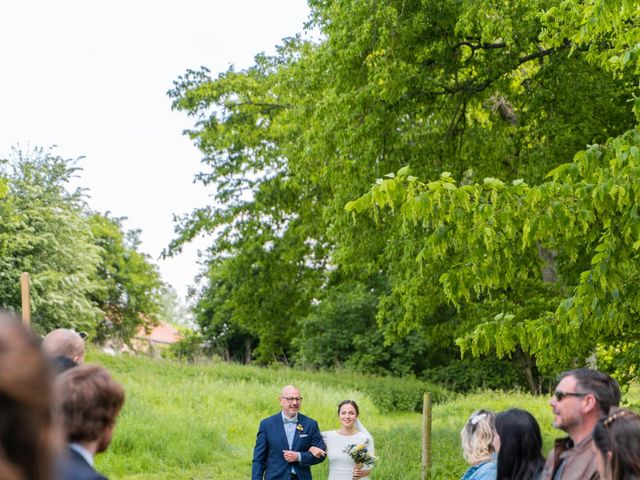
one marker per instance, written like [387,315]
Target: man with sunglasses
[283,442]
[582,396]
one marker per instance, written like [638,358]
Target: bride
[351,432]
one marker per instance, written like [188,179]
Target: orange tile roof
[163,333]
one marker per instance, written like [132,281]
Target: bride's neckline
[355,432]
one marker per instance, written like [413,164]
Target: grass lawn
[200,421]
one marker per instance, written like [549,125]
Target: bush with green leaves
[478,374]
[190,348]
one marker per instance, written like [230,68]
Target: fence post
[426,436]
[26,299]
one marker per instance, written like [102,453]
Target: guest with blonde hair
[477,446]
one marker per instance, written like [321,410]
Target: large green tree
[476,88]
[86,272]
[550,264]
[269,254]
[128,286]
[43,231]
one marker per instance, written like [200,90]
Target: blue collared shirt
[290,428]
[290,431]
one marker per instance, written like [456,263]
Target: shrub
[387,393]
[189,348]
[474,374]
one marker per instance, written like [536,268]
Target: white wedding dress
[340,463]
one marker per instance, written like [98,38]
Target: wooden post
[426,436]
[26,299]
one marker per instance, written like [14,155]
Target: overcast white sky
[91,77]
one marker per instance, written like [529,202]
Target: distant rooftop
[163,333]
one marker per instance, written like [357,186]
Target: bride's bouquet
[360,454]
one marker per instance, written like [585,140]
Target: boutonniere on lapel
[300,428]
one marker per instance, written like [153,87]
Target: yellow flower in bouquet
[360,454]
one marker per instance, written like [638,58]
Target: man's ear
[590,403]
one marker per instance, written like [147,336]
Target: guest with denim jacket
[477,446]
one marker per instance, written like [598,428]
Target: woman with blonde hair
[477,446]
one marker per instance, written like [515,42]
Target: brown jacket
[579,460]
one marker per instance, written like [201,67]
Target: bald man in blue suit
[283,442]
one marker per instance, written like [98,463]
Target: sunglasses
[560,395]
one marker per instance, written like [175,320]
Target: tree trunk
[528,372]
[549,267]
[247,352]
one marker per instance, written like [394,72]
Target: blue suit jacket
[73,467]
[268,460]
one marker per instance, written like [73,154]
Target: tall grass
[199,421]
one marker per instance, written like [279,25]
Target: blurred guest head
[63,342]
[89,401]
[26,429]
[616,443]
[61,364]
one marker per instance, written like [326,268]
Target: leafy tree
[481,239]
[341,331]
[214,313]
[253,295]
[572,235]
[173,309]
[85,272]
[43,231]
[480,89]
[269,241]
[128,286]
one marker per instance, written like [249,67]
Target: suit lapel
[296,435]
[280,429]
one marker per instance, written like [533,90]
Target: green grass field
[199,421]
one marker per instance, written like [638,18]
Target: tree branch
[267,106]
[482,46]
[469,88]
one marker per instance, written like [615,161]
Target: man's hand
[290,456]
[317,452]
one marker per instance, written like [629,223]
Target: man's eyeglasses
[561,395]
[292,399]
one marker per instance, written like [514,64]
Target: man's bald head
[64,343]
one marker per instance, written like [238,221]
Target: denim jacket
[481,471]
